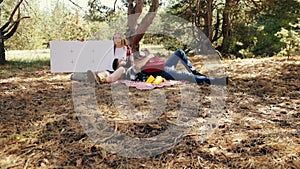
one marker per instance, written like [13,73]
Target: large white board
[77,56]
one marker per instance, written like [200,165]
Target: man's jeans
[173,60]
[173,74]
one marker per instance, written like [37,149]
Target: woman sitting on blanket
[169,73]
[123,53]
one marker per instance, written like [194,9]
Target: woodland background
[237,28]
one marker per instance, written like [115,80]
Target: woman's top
[124,53]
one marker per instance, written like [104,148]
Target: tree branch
[130,19]
[115,3]
[146,22]
[139,6]
[78,6]
[134,12]
[12,32]
[18,20]
[13,28]
[11,16]
[14,11]
[255,4]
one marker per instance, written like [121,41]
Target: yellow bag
[150,79]
[159,80]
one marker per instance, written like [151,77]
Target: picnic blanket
[146,86]
[129,83]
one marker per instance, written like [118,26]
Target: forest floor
[257,124]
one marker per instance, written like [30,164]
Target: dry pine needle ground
[259,127]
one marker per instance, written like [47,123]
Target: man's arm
[141,63]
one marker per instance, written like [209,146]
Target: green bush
[291,39]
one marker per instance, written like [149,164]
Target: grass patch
[25,65]
[26,61]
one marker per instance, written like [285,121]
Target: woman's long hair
[124,41]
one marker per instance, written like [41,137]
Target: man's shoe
[92,77]
[222,81]
[227,80]
[195,72]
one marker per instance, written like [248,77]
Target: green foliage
[277,15]
[6,9]
[30,33]
[291,39]
[105,30]
[16,41]
[264,30]
[97,11]
[170,31]
[195,19]
[243,38]
[253,30]
[66,24]
[61,23]
[169,43]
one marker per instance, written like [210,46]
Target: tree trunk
[208,20]
[9,29]
[2,52]
[204,14]
[2,49]
[226,27]
[136,31]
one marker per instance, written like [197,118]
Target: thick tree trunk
[2,53]
[136,31]
[2,49]
[226,28]
[208,20]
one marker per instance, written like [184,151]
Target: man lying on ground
[169,72]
